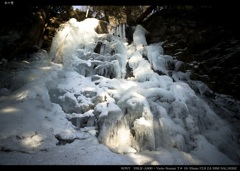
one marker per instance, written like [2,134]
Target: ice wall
[155,108]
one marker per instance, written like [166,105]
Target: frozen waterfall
[155,107]
[148,111]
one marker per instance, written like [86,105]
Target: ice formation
[158,107]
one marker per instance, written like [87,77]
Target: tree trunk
[145,14]
[88,8]
[46,18]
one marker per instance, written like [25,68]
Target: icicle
[121,30]
[124,31]
[117,31]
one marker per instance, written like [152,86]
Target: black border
[119,2]
[130,167]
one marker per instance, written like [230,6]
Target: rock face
[22,31]
[206,38]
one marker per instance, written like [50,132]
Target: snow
[75,107]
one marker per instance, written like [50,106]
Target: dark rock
[129,71]
[129,34]
[206,34]
[103,27]
[28,23]
[97,49]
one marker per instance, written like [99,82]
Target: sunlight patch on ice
[123,135]
[46,68]
[141,159]
[32,141]
[191,158]
[178,87]
[25,62]
[9,110]
[128,84]
[143,121]
[21,95]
